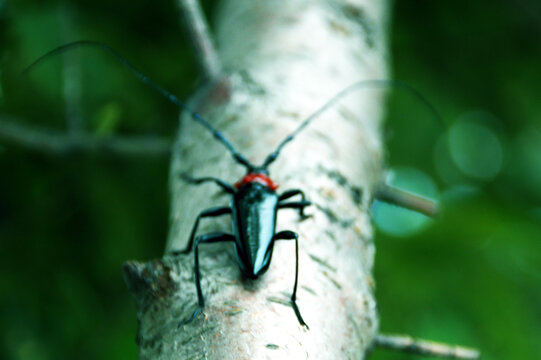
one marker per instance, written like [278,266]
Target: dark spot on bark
[359,16]
[328,213]
[356,328]
[322,262]
[288,113]
[344,223]
[231,302]
[332,280]
[233,312]
[290,19]
[339,27]
[368,322]
[198,332]
[149,282]
[278,300]
[330,235]
[252,86]
[355,192]
[272,346]
[152,343]
[309,290]
[219,92]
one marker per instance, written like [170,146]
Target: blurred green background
[68,222]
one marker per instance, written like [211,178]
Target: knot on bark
[151,281]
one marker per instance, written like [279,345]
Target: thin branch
[71,75]
[407,200]
[197,28]
[423,347]
[57,143]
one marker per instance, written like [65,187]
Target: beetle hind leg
[290,235]
[203,239]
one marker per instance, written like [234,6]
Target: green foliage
[67,224]
[473,277]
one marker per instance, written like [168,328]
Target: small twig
[71,75]
[58,143]
[424,347]
[197,28]
[407,200]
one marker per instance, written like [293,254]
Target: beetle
[253,208]
[254,200]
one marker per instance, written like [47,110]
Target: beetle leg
[196,181]
[290,235]
[211,212]
[300,205]
[290,193]
[203,239]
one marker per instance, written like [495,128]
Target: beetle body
[254,212]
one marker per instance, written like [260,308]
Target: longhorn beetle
[254,200]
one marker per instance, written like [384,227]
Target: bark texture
[284,59]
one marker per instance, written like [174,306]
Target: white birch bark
[285,60]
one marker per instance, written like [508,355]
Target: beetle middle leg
[300,205]
[289,194]
[290,235]
[211,212]
[203,239]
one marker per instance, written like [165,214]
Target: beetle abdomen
[254,223]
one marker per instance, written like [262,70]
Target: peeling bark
[284,59]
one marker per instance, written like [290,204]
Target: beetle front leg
[290,235]
[203,239]
[196,181]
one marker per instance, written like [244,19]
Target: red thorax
[257,177]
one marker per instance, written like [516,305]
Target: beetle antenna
[143,78]
[348,90]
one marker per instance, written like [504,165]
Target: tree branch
[57,143]
[407,200]
[197,28]
[424,347]
[287,59]
[71,79]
